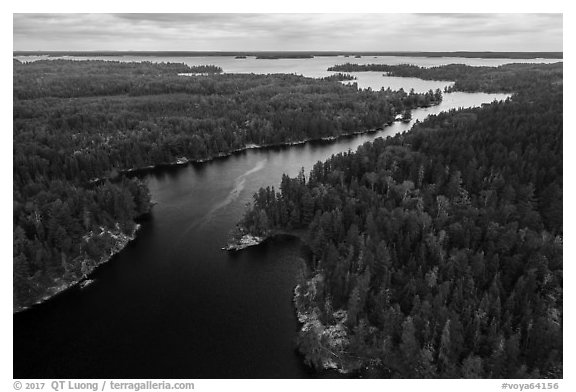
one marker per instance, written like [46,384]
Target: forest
[437,253]
[509,78]
[78,125]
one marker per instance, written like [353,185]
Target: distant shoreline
[292,54]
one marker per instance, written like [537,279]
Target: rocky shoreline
[88,266]
[243,242]
[323,343]
[183,161]
[243,239]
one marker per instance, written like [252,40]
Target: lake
[172,304]
[317,67]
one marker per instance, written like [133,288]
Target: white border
[486,6]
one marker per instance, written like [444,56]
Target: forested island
[340,77]
[437,253]
[508,78]
[78,125]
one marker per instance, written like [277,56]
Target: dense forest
[437,253]
[505,78]
[68,79]
[79,124]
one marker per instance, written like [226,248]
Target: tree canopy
[436,252]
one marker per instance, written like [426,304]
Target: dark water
[173,304]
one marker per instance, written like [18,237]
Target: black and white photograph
[286,195]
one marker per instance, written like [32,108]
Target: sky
[289,32]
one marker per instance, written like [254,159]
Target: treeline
[438,252]
[205,69]
[78,121]
[505,78]
[294,54]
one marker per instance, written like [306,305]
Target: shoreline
[331,339]
[184,161]
[248,240]
[62,286]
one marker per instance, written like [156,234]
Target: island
[340,77]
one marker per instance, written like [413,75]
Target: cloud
[243,32]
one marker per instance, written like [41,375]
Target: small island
[339,77]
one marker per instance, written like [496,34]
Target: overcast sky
[252,32]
